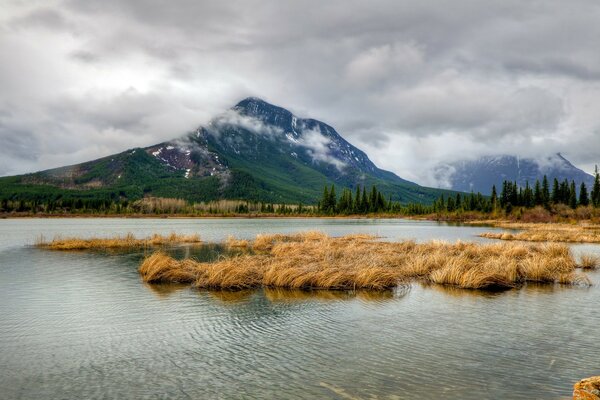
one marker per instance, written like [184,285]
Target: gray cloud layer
[411,82]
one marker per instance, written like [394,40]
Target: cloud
[408,81]
[249,123]
[318,147]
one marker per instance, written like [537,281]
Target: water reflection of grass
[315,261]
[231,296]
[164,290]
[529,287]
[277,295]
[292,295]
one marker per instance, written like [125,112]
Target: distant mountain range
[254,151]
[479,175]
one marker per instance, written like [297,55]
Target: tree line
[362,202]
[512,195]
[359,201]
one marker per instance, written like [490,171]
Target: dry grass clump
[127,241]
[549,233]
[233,243]
[589,261]
[159,267]
[316,261]
[265,242]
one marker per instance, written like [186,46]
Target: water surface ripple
[83,325]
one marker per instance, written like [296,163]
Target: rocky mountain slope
[479,175]
[254,151]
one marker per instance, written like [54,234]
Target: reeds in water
[589,261]
[549,233]
[316,261]
[233,243]
[128,241]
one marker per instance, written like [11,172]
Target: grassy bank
[120,242]
[568,233]
[315,261]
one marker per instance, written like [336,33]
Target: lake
[83,325]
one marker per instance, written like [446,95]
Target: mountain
[479,175]
[255,151]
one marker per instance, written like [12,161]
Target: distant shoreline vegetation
[537,203]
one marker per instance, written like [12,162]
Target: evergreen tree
[537,194]
[440,204]
[332,200]
[381,206]
[528,196]
[520,201]
[364,203]
[555,192]
[450,206]
[545,192]
[573,196]
[584,199]
[472,202]
[373,200]
[494,197]
[324,204]
[514,194]
[596,189]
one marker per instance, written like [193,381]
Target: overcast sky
[412,82]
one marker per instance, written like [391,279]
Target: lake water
[82,325]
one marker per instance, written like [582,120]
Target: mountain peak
[255,151]
[266,112]
[480,174]
[249,101]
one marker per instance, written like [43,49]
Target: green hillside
[262,154]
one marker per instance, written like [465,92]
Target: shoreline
[230,216]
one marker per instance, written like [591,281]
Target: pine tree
[373,200]
[545,192]
[450,207]
[332,200]
[528,196]
[364,203]
[504,194]
[584,199]
[472,202]
[555,192]
[494,197]
[573,195]
[324,205]
[596,190]
[441,204]
[381,206]
[537,194]
[563,191]
[514,194]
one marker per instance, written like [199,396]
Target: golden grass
[128,241]
[589,261]
[315,261]
[569,233]
[161,268]
[265,242]
[233,243]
